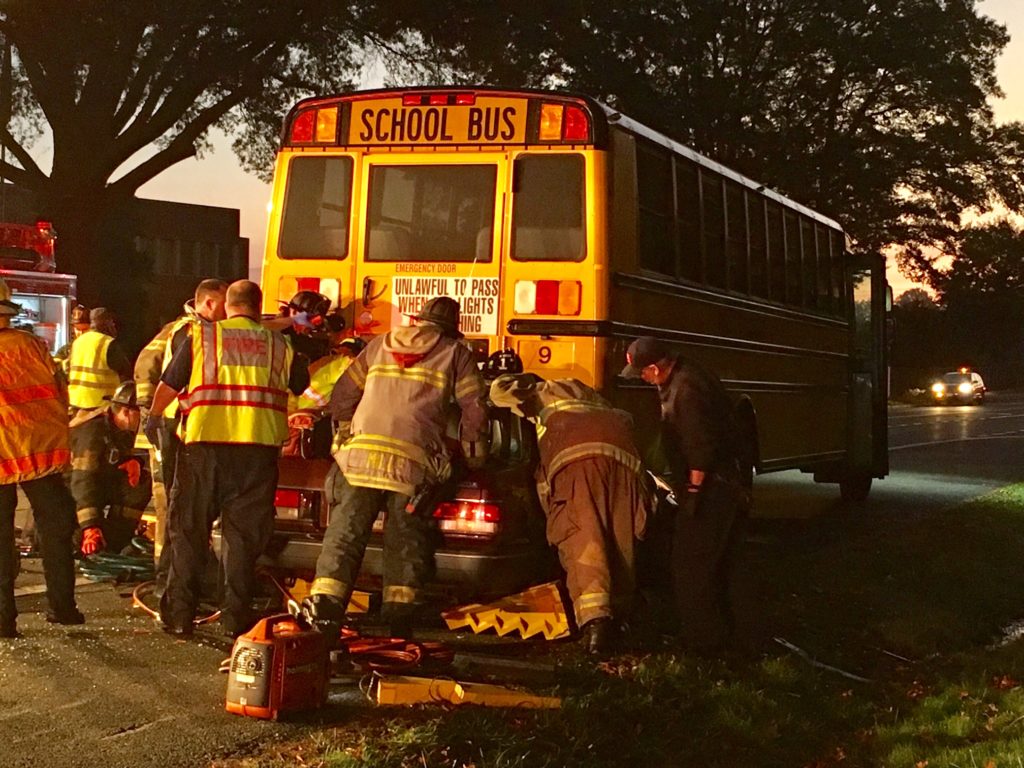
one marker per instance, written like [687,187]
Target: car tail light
[468,518]
[548,297]
[291,504]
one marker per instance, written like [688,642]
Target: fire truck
[46,297]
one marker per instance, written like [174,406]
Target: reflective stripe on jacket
[400,412]
[238,390]
[89,376]
[323,375]
[33,415]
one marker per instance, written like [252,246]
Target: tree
[115,79]
[916,298]
[873,111]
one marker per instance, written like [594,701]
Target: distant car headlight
[938,387]
[964,388]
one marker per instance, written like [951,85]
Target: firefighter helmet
[501,362]
[311,302]
[79,315]
[124,395]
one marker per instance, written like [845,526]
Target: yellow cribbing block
[404,690]
[359,602]
[538,610]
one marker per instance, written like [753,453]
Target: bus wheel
[854,489]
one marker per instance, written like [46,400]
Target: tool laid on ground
[402,689]
[108,566]
[538,610]
[276,667]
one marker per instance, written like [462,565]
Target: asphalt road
[118,692]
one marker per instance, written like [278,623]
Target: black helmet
[443,312]
[501,362]
[311,302]
[124,395]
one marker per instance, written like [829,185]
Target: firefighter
[308,332]
[97,363]
[33,454]
[79,325]
[593,492]
[701,441]
[234,378]
[111,487]
[206,306]
[392,406]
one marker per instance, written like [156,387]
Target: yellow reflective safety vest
[192,321]
[89,376]
[323,375]
[238,391]
[33,416]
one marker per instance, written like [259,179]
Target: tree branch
[27,163]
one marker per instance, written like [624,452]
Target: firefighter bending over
[105,474]
[97,363]
[392,405]
[593,492]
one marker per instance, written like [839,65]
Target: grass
[913,604]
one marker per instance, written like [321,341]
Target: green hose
[120,568]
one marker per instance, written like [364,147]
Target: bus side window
[776,252]
[758,246]
[794,259]
[713,230]
[656,244]
[688,219]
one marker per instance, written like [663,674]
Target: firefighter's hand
[152,429]
[132,469]
[92,540]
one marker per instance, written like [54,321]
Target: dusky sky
[217,178]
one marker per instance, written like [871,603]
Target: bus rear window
[548,206]
[317,207]
[431,213]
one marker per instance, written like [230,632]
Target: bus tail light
[566,122]
[548,297]
[289,286]
[302,127]
[468,518]
[576,127]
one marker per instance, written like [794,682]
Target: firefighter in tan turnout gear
[393,406]
[206,306]
[593,491]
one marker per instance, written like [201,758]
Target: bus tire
[854,489]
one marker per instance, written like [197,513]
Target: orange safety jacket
[33,414]
[89,376]
[238,390]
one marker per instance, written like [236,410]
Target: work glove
[301,420]
[152,429]
[302,320]
[92,540]
[132,469]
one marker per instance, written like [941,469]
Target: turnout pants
[163,467]
[596,513]
[54,512]
[235,483]
[703,559]
[408,545]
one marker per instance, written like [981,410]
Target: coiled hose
[121,568]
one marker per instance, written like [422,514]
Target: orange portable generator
[277,666]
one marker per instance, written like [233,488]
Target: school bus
[566,229]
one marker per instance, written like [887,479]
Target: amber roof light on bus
[563,122]
[418,99]
[327,124]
